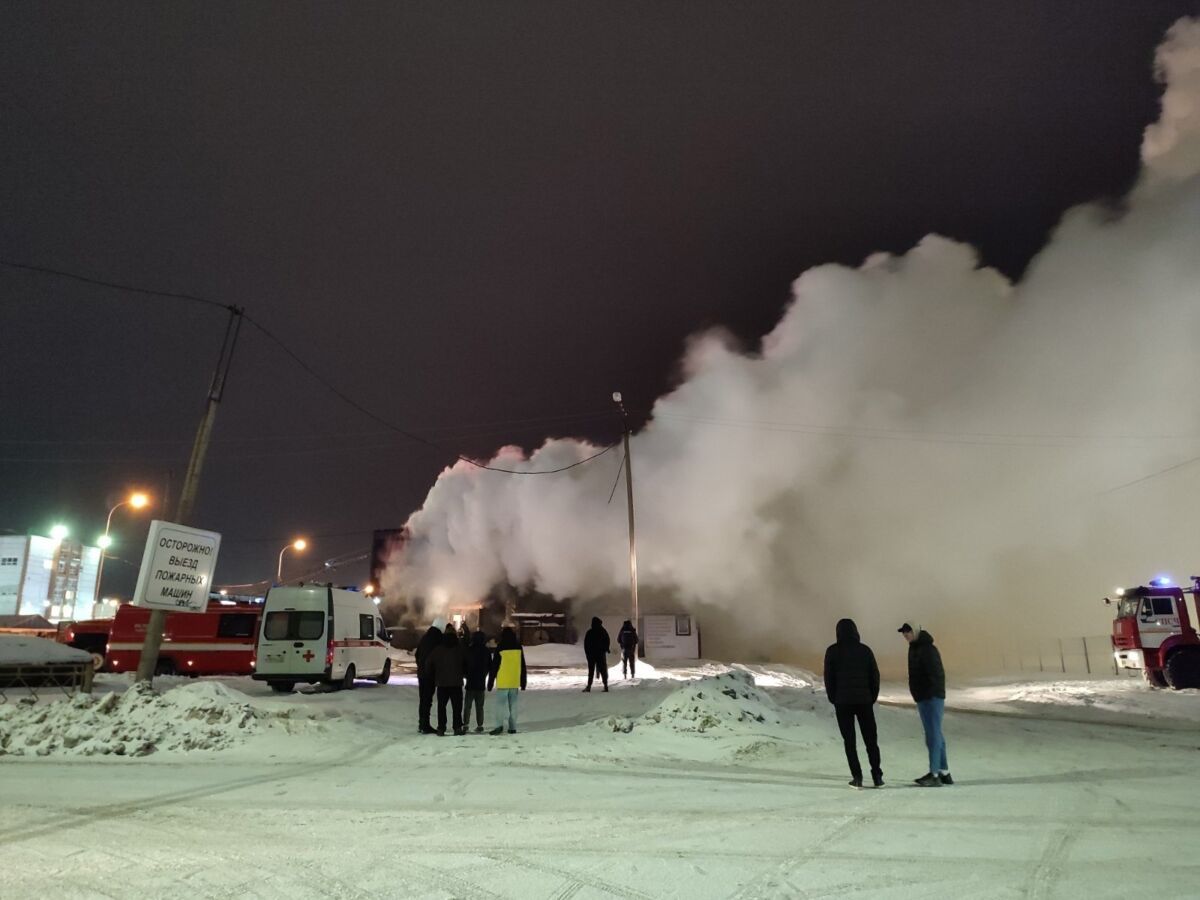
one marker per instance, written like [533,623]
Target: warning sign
[177,568]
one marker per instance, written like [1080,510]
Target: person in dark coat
[479,664]
[425,684]
[596,647]
[464,633]
[627,640]
[927,684]
[852,686]
[447,667]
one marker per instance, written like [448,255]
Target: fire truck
[218,641]
[1152,632]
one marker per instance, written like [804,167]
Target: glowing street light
[369,589]
[298,545]
[137,500]
[59,532]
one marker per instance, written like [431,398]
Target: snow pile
[17,649]
[729,701]
[140,721]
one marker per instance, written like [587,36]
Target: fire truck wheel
[386,673]
[164,667]
[97,660]
[1154,678]
[348,678]
[283,687]
[1183,668]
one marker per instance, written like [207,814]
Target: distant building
[40,576]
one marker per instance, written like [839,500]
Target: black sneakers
[856,783]
[497,731]
[877,780]
[945,778]
[929,779]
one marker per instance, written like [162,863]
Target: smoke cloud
[917,439]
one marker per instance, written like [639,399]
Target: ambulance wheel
[1183,668]
[348,678]
[386,673]
[283,687]
[97,660]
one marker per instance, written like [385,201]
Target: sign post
[177,568]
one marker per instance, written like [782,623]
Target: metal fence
[1083,655]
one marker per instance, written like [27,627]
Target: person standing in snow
[852,686]
[426,687]
[596,647]
[508,676]
[627,640]
[448,667]
[479,664]
[927,684]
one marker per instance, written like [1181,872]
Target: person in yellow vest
[507,676]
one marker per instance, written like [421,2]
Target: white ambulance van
[318,633]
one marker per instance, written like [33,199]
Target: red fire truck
[218,641]
[1152,632]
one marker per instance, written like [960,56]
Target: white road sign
[177,568]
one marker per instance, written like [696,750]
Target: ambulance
[318,633]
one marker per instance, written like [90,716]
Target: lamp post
[297,545]
[137,501]
[629,503]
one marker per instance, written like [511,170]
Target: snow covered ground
[692,782]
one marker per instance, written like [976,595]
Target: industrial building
[42,576]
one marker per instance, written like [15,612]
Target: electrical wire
[303,364]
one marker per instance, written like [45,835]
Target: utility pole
[191,483]
[629,504]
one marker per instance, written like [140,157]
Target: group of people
[454,665]
[597,646]
[451,661]
[852,686]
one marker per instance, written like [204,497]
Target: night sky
[480,219]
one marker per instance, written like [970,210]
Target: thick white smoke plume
[917,439]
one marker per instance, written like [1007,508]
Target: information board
[177,568]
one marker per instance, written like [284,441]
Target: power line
[298,360]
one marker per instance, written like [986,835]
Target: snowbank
[20,650]
[200,716]
[730,702]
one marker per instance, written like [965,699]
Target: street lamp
[297,545]
[137,500]
[59,532]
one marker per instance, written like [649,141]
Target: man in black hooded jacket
[852,686]
[596,646]
[426,685]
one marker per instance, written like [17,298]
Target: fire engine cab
[1152,632]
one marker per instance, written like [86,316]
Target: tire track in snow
[1049,868]
[783,873]
[92,814]
[577,881]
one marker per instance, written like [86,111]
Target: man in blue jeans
[927,684]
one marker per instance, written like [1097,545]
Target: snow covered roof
[33,623]
[17,649]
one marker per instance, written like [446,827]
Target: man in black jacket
[448,667]
[596,646]
[852,686]
[479,664]
[426,686]
[627,640]
[927,684]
